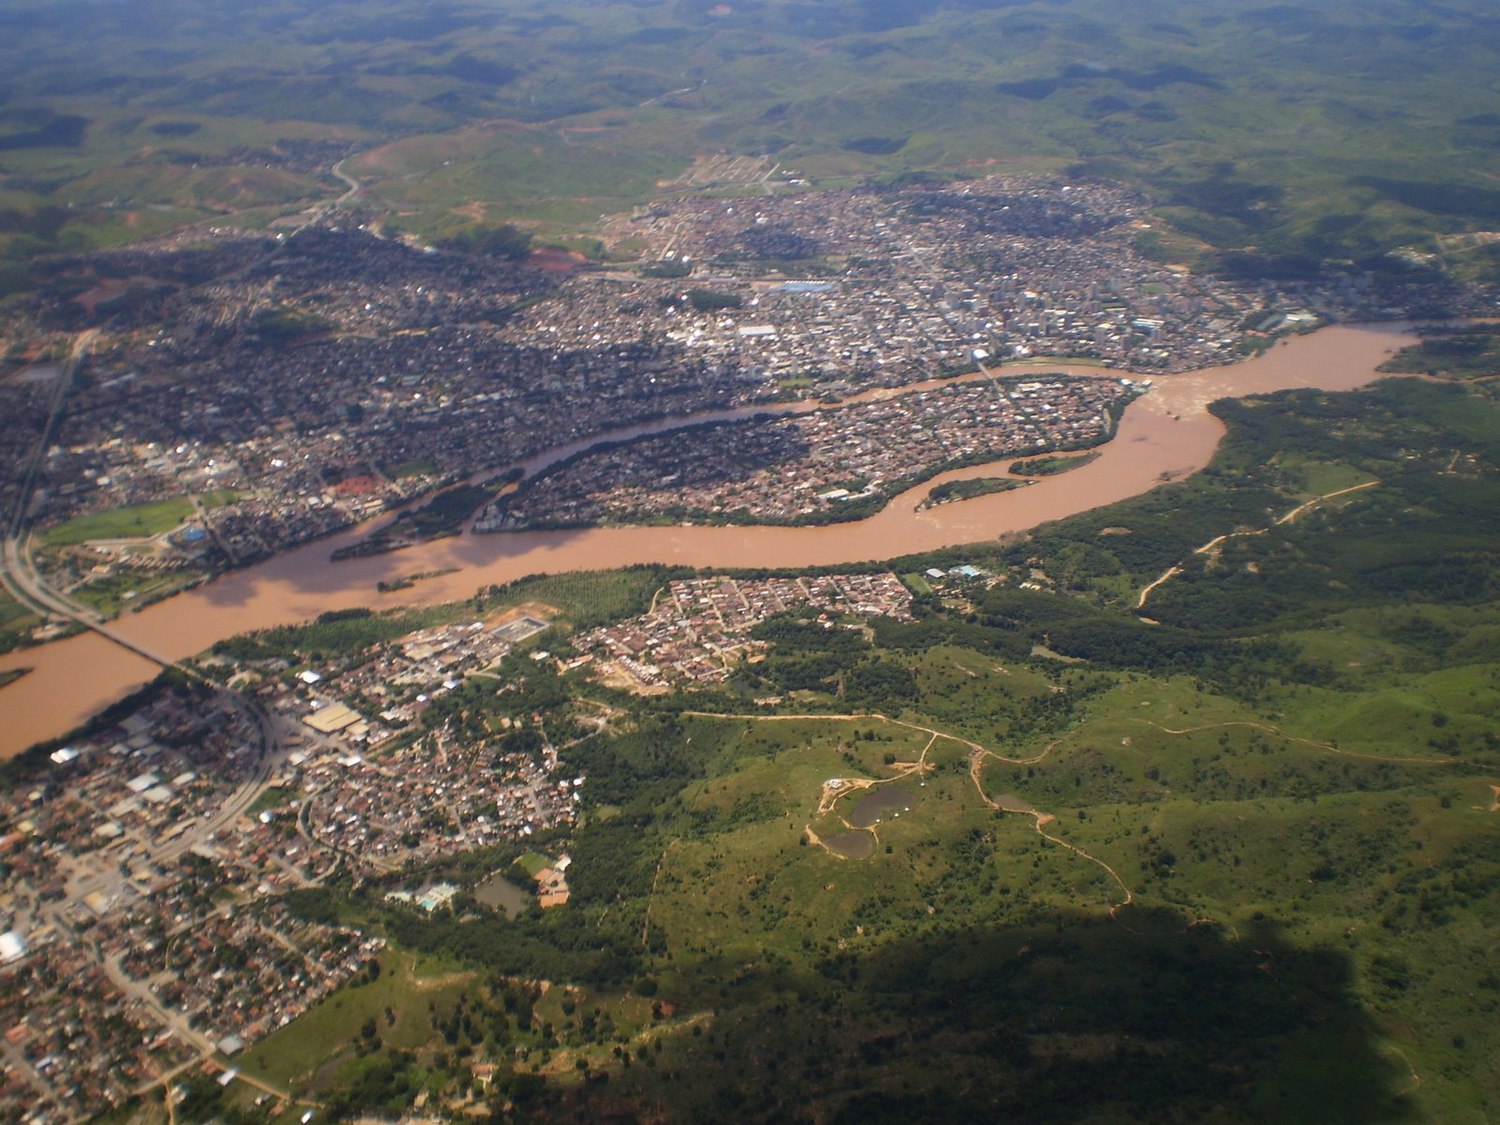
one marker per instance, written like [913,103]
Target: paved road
[26,583]
[16,570]
[54,409]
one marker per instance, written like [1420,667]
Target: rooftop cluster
[702,630]
[324,375]
[141,876]
[136,894]
[819,466]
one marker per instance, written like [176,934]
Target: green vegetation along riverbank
[952,490]
[1051,466]
[1461,352]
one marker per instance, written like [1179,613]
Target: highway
[17,572]
[75,358]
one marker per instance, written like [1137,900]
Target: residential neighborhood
[700,631]
[306,382]
[817,466]
[143,869]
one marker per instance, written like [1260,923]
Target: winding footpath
[835,789]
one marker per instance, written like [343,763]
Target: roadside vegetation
[16,622]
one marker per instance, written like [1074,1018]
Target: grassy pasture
[136,522]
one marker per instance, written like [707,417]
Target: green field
[16,622]
[132,589]
[320,1040]
[587,599]
[137,522]
[410,469]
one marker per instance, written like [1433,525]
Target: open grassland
[16,621]
[138,522]
[553,180]
[584,599]
[398,1000]
[1256,864]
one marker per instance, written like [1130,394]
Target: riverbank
[1164,434]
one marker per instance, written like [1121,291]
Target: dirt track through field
[1290,517]
[835,789]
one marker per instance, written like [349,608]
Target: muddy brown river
[1164,434]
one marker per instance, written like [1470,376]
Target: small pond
[877,803]
[499,893]
[852,845]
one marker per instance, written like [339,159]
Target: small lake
[499,893]
[875,805]
[854,844]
